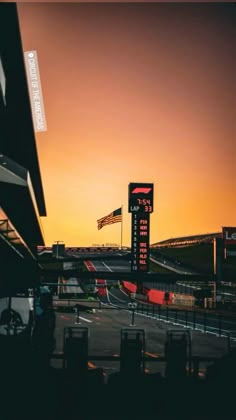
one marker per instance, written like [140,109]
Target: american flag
[114,217]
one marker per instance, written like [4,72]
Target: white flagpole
[121,233]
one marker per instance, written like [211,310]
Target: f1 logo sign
[143,190]
[141,197]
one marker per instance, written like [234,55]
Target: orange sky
[135,93]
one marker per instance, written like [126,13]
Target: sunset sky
[135,93]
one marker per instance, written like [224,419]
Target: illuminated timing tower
[140,205]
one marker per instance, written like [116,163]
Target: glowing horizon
[135,93]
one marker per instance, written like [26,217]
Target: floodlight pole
[58,242]
[132,319]
[57,257]
[218,251]
[121,232]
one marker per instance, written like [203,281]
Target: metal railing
[200,320]
[195,320]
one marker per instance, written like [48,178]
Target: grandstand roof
[17,132]
[21,191]
[188,240]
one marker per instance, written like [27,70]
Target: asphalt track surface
[105,326]
[30,391]
[210,324]
[128,400]
[104,332]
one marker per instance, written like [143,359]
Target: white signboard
[35,91]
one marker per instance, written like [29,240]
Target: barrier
[160,297]
[152,295]
[183,300]
[130,287]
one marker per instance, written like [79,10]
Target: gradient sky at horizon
[135,93]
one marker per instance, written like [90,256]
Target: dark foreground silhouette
[32,389]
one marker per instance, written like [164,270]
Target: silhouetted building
[21,192]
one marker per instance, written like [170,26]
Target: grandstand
[187,240]
[183,241]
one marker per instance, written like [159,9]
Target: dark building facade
[21,192]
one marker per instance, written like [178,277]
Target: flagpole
[121,232]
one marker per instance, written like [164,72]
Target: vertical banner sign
[35,91]
[140,205]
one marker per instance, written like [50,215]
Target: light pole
[132,306]
[57,257]
[57,252]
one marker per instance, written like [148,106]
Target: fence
[201,320]
[195,320]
